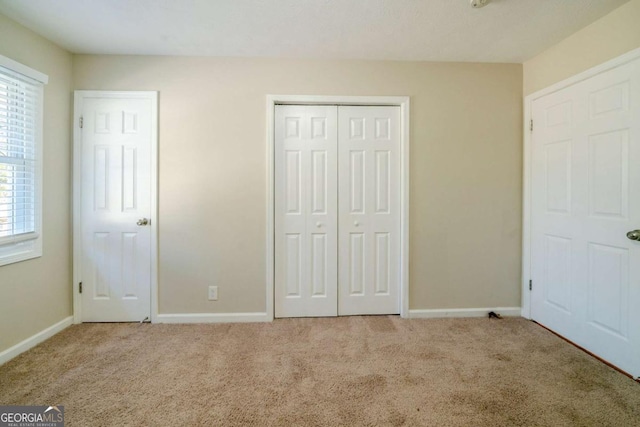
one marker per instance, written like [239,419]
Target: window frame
[28,246]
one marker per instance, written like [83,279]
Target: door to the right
[586,213]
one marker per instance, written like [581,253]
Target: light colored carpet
[348,371]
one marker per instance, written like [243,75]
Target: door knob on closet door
[634,235]
[356,223]
[318,224]
[143,221]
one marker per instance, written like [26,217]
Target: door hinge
[81,122]
[531,125]
[80,287]
[530,284]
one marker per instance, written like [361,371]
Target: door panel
[382,263]
[115,193]
[608,289]
[585,157]
[609,174]
[369,210]
[557,259]
[306,225]
[356,264]
[319,264]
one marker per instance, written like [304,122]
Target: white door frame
[79,96]
[527,157]
[400,101]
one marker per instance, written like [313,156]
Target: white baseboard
[463,312]
[212,318]
[34,340]
[263,317]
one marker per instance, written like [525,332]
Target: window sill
[20,251]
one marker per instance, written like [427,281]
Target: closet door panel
[369,210]
[306,225]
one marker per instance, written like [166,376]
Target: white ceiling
[431,30]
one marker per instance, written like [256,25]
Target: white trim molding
[17,248]
[23,69]
[401,101]
[79,96]
[438,313]
[212,318]
[34,340]
[527,158]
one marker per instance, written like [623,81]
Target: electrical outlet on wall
[213,293]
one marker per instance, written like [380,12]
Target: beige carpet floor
[351,371]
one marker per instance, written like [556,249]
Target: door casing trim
[401,101]
[78,97]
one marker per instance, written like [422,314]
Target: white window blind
[20,109]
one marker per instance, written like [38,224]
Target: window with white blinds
[21,99]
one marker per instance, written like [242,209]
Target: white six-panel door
[337,210]
[115,194]
[585,198]
[369,210]
[306,200]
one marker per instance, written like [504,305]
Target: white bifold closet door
[369,210]
[337,210]
[306,202]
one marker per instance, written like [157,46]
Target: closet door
[369,210]
[306,226]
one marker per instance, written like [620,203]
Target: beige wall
[36,294]
[609,37]
[466,142]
